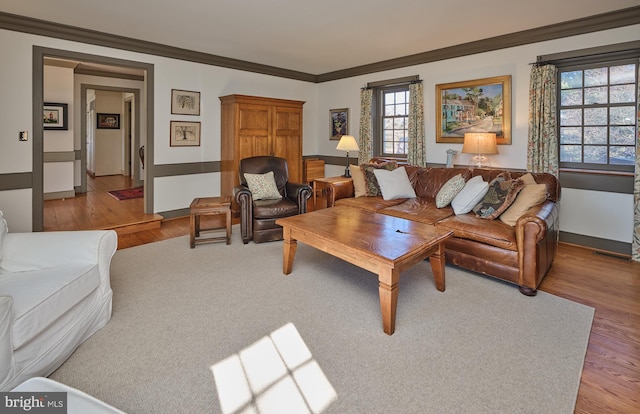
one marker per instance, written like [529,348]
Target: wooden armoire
[253,125]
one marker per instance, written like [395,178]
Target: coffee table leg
[437,261]
[288,251]
[388,290]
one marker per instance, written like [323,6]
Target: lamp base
[479,161]
[347,174]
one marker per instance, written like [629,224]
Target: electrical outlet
[24,135]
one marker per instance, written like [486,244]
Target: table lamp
[480,144]
[347,143]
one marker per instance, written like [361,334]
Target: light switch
[24,135]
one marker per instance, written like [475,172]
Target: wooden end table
[323,183]
[209,206]
[384,245]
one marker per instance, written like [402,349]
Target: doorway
[137,119]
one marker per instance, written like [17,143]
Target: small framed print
[54,116]
[185,102]
[108,121]
[339,119]
[185,134]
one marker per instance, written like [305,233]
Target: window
[393,119]
[597,115]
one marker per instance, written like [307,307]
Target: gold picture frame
[480,105]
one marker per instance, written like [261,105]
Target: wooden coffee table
[381,244]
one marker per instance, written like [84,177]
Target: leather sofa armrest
[537,239]
[299,194]
[243,197]
[341,189]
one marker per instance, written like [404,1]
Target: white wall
[575,217]
[108,142]
[58,88]
[177,192]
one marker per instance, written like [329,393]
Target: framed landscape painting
[185,102]
[481,105]
[185,134]
[54,116]
[108,121]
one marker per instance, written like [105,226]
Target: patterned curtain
[635,244]
[542,149]
[366,126]
[416,152]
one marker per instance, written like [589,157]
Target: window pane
[388,123]
[388,110]
[399,123]
[595,135]
[401,97]
[571,135]
[622,155]
[388,148]
[401,110]
[571,97]
[622,135]
[595,155]
[595,116]
[388,135]
[622,115]
[595,77]
[388,98]
[571,79]
[569,117]
[595,95]
[623,74]
[622,93]
[570,153]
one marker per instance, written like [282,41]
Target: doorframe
[135,163]
[37,185]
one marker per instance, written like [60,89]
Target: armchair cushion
[263,186]
[267,209]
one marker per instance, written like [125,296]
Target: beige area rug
[478,347]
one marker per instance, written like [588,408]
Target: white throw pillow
[474,190]
[394,184]
[4,229]
[262,186]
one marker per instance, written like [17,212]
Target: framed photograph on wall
[339,119]
[54,116]
[185,134]
[481,105]
[185,102]
[108,121]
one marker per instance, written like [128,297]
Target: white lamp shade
[480,143]
[347,143]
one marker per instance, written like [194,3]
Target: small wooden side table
[209,206]
[323,183]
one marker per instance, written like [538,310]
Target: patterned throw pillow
[262,186]
[371,182]
[449,190]
[499,197]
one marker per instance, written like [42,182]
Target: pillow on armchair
[262,186]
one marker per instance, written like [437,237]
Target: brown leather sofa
[258,217]
[520,254]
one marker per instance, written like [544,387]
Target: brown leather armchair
[258,217]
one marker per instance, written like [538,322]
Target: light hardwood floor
[611,376]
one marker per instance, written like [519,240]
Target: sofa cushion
[449,190]
[267,209]
[359,184]
[4,229]
[262,186]
[422,210]
[42,296]
[430,180]
[474,190]
[373,189]
[368,203]
[501,194]
[394,184]
[492,232]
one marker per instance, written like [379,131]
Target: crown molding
[611,20]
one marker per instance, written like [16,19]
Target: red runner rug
[128,193]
